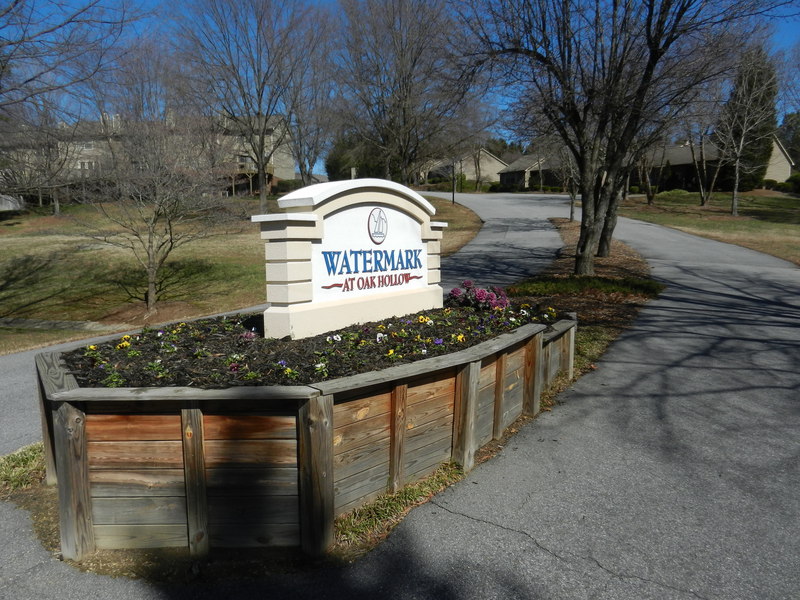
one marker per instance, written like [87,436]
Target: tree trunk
[151,296]
[590,232]
[56,203]
[735,196]
[262,188]
[609,224]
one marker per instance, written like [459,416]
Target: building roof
[526,162]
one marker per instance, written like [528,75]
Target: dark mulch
[230,351]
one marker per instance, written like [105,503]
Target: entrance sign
[349,252]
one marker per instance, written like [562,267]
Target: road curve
[671,471]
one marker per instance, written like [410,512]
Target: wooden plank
[46,419]
[135,455]
[74,501]
[398,437]
[358,502]
[430,432]
[140,536]
[568,356]
[119,427]
[246,453]
[195,475]
[513,398]
[261,394]
[361,459]
[361,433]
[253,509]
[157,510]
[437,363]
[261,481]
[533,376]
[242,407]
[499,397]
[359,409]
[151,482]
[256,535]
[360,485]
[430,410]
[465,438]
[53,375]
[442,383]
[316,464]
[426,460]
[488,372]
[249,427]
[515,359]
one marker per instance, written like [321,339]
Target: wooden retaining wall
[273,466]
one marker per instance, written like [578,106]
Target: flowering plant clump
[468,294]
[228,351]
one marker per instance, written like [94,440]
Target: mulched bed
[231,351]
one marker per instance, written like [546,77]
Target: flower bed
[230,351]
[272,465]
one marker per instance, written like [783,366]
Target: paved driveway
[670,472]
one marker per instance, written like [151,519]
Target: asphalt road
[672,471]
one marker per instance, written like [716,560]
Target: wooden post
[568,353]
[194,474]
[534,375]
[398,439]
[74,501]
[499,395]
[46,416]
[315,462]
[464,440]
[52,377]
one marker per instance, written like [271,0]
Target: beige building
[480,165]
[780,163]
[79,152]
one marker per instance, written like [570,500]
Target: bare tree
[48,46]
[242,55]
[748,122]
[603,75]
[159,192]
[39,149]
[402,82]
[310,94]
[698,124]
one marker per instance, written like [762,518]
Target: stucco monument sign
[349,252]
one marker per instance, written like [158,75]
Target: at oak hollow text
[373,281]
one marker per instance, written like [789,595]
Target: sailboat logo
[377,225]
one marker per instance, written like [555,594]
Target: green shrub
[284,186]
[634,189]
[770,184]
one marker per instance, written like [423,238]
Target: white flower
[380,337]
[337,338]
[424,351]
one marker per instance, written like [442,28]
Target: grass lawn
[769,222]
[49,270]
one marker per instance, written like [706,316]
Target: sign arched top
[320,193]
